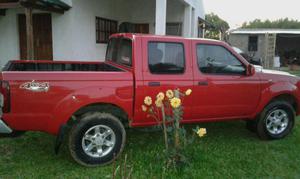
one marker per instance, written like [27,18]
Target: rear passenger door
[167,65]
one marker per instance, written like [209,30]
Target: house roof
[45,5]
[58,3]
[207,24]
[265,31]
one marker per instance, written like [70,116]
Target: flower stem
[164,126]
[177,126]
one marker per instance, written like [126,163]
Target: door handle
[154,84]
[203,83]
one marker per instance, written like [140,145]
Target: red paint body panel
[69,91]
[224,98]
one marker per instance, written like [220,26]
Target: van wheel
[97,139]
[276,121]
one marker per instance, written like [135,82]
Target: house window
[252,43]
[174,29]
[105,28]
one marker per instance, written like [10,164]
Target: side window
[166,58]
[213,59]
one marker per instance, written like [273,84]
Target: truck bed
[44,94]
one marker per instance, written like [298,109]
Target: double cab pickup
[94,102]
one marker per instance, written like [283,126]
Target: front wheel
[276,121]
[97,139]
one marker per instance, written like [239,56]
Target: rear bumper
[4,129]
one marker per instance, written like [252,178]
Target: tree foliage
[218,25]
[284,23]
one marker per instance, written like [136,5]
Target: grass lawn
[295,72]
[228,151]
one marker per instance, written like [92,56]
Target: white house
[79,29]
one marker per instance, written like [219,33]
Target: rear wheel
[97,139]
[276,121]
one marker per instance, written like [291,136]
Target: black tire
[284,109]
[85,127]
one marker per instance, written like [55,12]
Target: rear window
[119,50]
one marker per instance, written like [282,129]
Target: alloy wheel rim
[277,121]
[98,141]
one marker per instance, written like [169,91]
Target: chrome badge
[35,86]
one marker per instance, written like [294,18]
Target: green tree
[218,26]
[284,23]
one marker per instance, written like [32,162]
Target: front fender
[121,97]
[273,90]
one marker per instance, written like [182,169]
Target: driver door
[221,84]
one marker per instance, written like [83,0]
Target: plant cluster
[167,110]
[283,23]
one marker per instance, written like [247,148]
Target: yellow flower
[148,100]
[170,94]
[144,108]
[160,96]
[188,92]
[158,103]
[201,132]
[175,102]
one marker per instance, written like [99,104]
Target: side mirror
[250,70]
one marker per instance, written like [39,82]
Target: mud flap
[60,137]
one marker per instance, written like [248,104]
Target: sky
[235,12]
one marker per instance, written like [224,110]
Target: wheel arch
[285,96]
[114,109]
[291,99]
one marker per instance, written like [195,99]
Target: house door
[42,35]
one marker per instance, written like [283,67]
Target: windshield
[119,51]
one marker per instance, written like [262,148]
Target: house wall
[143,11]
[9,37]
[199,11]
[74,35]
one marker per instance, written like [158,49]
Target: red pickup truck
[93,102]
